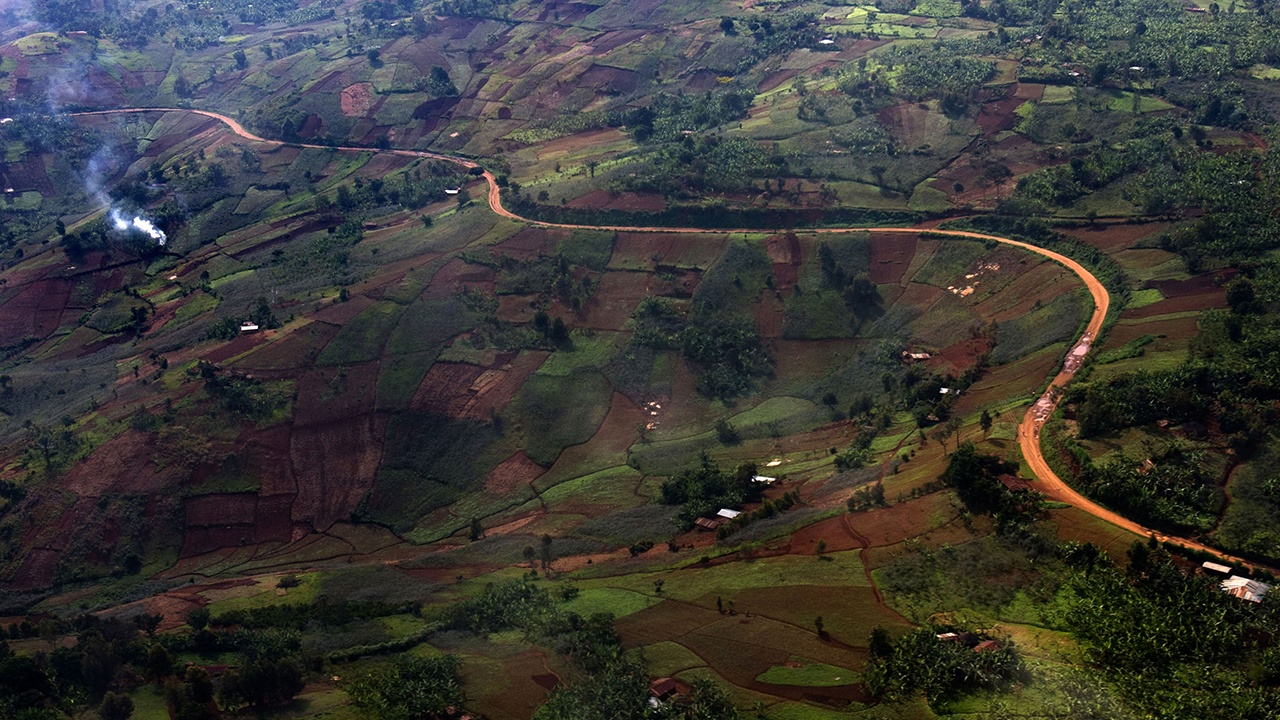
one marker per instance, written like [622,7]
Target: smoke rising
[101,165]
[138,223]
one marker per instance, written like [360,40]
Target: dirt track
[1029,429]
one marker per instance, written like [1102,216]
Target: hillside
[426,352]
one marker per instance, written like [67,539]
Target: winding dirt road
[1028,431]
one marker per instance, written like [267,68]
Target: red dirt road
[1029,430]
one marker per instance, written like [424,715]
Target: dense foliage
[921,662]
[705,489]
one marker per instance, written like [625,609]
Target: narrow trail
[1028,431]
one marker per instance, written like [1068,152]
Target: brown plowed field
[615,298]
[531,242]
[228,520]
[494,388]
[1181,303]
[295,350]
[904,520]
[446,388]
[1112,238]
[341,313]
[1198,285]
[512,474]
[1181,328]
[268,451]
[335,465]
[330,394]
[123,464]
[238,346]
[890,257]
[457,276]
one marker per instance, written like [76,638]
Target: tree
[820,626]
[148,623]
[726,25]
[242,61]
[262,683]
[591,167]
[546,552]
[476,530]
[880,644]
[159,664]
[411,688]
[985,421]
[199,618]
[822,548]
[115,707]
[375,57]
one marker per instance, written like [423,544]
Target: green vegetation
[514,425]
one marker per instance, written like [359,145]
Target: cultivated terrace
[639,359]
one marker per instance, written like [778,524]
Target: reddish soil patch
[330,394]
[705,80]
[493,389]
[921,296]
[1180,328]
[445,388]
[1182,303]
[514,473]
[356,99]
[1115,237]
[517,308]
[123,464]
[457,276]
[297,349]
[512,526]
[530,242]
[998,115]
[609,80]
[239,346]
[833,530]
[897,523]
[783,249]
[1199,285]
[891,257]
[615,298]
[768,316]
[35,311]
[959,357]
[231,520]
[1028,91]
[335,466]
[523,692]
[341,313]
[268,454]
[36,571]
[1041,283]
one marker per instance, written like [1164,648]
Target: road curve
[1028,430]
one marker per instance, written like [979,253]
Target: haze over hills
[526,359]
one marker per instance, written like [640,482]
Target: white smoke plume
[138,223]
[101,165]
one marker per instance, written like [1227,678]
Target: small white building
[763,479]
[1245,589]
[728,514]
[248,327]
[1216,567]
[452,191]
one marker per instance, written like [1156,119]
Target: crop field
[344,405]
